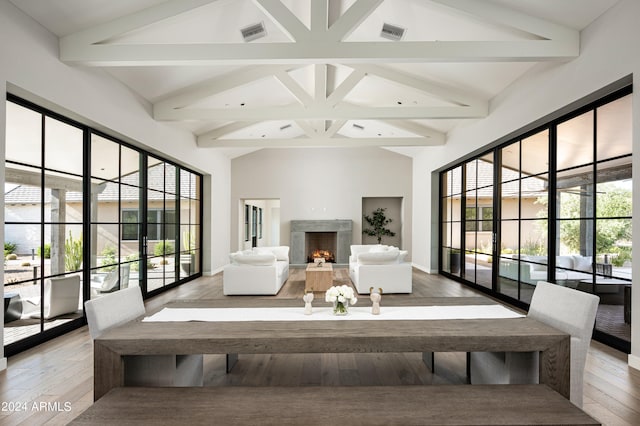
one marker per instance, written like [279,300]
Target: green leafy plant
[135,264]
[378,222]
[73,253]
[47,251]
[108,259]
[163,247]
[9,247]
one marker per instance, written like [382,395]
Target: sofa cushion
[582,263]
[378,258]
[564,262]
[281,252]
[254,259]
[378,248]
[402,255]
[356,249]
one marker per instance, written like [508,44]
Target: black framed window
[562,212]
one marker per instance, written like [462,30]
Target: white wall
[29,65]
[608,52]
[316,183]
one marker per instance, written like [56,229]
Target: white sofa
[379,266]
[534,268]
[257,271]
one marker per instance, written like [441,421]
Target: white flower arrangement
[341,297]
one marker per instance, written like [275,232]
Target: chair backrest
[110,281]
[113,309]
[573,312]
[61,295]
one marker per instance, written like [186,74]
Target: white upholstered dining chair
[119,307]
[566,309]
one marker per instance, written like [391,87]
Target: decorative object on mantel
[375,299]
[341,297]
[308,298]
[378,221]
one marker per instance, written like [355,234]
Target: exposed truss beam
[101,32]
[284,19]
[313,52]
[295,112]
[308,129]
[320,79]
[227,129]
[438,90]
[294,88]
[314,142]
[347,86]
[351,19]
[335,128]
[229,81]
[417,129]
[496,14]
[319,18]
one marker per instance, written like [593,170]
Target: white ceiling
[322,76]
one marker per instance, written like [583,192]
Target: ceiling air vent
[358,126]
[286,126]
[253,32]
[392,32]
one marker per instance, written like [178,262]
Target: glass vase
[340,308]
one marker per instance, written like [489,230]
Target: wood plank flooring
[53,383]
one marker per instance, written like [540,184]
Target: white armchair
[117,308]
[112,281]
[61,296]
[380,266]
[566,309]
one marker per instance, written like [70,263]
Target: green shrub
[163,247]
[108,259]
[11,256]
[135,264]
[9,248]
[47,251]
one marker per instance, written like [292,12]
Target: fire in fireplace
[317,254]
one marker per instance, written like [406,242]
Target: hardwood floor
[53,383]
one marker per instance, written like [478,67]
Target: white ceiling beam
[493,13]
[438,90]
[237,78]
[294,88]
[317,112]
[334,128]
[310,130]
[282,17]
[314,142]
[133,21]
[319,19]
[417,129]
[351,19]
[320,81]
[318,52]
[227,129]
[345,87]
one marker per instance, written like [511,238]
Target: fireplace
[321,245]
[308,236]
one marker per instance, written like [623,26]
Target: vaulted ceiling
[319,72]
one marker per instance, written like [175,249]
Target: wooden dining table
[349,336]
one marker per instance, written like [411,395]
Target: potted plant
[454,261]
[378,222]
[189,258]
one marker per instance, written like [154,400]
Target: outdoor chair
[61,296]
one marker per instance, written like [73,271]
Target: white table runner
[323,313]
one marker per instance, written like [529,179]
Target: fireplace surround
[301,230]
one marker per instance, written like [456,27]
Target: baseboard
[424,269]
[634,362]
[212,273]
[3,363]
